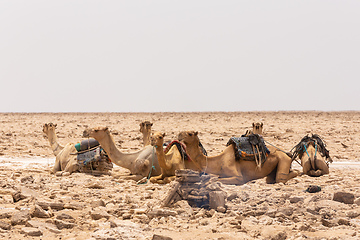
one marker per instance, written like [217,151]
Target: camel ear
[262,124]
[55,125]
[106,128]
[163,135]
[196,133]
[151,124]
[253,124]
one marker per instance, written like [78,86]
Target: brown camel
[145,129]
[65,160]
[313,154]
[169,162]
[143,163]
[230,171]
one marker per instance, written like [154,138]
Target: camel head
[145,127]
[49,128]
[189,137]
[257,128]
[157,139]
[96,132]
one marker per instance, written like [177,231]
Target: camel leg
[71,166]
[157,179]
[238,180]
[284,173]
[322,166]
[306,167]
[57,166]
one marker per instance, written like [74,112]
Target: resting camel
[143,163]
[65,161]
[313,154]
[145,129]
[257,129]
[169,162]
[230,171]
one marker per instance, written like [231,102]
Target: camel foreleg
[238,180]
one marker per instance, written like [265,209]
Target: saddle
[180,146]
[299,149]
[249,148]
[91,156]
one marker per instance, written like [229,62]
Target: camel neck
[116,156]
[55,146]
[161,157]
[146,138]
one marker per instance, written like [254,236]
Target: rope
[282,151]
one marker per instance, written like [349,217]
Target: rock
[353,214]
[41,225]
[279,236]
[5,225]
[296,199]
[20,218]
[343,221]
[98,214]
[344,197]
[221,209]
[27,179]
[159,212]
[216,199]
[7,212]
[29,231]
[184,208]
[232,196]
[53,205]
[160,237]
[37,211]
[97,203]
[63,224]
[24,193]
[64,216]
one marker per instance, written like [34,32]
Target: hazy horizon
[179,56]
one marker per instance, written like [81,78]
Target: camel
[66,159]
[169,162]
[143,163]
[316,160]
[231,171]
[257,129]
[145,129]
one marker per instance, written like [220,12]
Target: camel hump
[86,144]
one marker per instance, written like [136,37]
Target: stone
[159,212]
[33,232]
[37,211]
[53,205]
[7,212]
[97,203]
[344,197]
[216,199]
[296,199]
[63,224]
[64,216]
[5,225]
[98,214]
[20,218]
[160,237]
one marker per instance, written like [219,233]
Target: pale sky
[179,56]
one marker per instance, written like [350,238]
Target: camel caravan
[243,159]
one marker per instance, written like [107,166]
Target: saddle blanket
[244,147]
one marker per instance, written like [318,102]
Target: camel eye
[161,137]
[190,134]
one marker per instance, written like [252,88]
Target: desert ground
[35,204]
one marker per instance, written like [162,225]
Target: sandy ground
[259,210]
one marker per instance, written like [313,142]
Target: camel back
[249,148]
[300,148]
